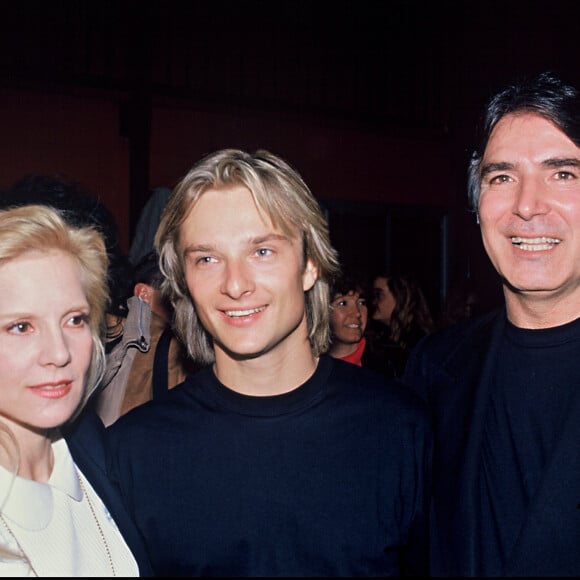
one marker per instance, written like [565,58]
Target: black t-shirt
[537,373]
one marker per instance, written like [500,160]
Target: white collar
[30,504]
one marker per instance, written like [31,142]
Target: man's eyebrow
[491,167]
[257,240]
[561,162]
[269,238]
[197,248]
[552,162]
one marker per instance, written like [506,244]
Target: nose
[357,308]
[238,279]
[529,199]
[54,349]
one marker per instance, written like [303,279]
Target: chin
[521,286]
[249,352]
[57,418]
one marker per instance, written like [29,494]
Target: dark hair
[80,208]
[411,315]
[147,270]
[544,94]
[348,281]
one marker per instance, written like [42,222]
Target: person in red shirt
[348,319]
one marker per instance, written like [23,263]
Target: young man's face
[246,278]
[348,317]
[530,207]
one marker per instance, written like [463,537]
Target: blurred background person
[400,317]
[147,358]
[348,319]
[462,303]
[142,242]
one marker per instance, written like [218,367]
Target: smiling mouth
[240,313]
[535,244]
[51,386]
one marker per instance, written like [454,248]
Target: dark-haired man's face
[529,212]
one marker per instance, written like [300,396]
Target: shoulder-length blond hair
[283,196]
[42,228]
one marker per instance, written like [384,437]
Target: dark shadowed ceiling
[396,65]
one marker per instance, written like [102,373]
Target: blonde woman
[59,515]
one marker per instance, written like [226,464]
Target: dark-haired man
[505,388]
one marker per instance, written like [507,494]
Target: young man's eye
[205,260]
[264,252]
[19,327]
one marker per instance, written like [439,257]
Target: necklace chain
[22,552]
[103,538]
[102,534]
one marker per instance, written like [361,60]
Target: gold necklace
[22,553]
[103,538]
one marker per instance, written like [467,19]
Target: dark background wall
[374,102]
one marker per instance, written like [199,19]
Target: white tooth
[535,247]
[234,313]
[544,241]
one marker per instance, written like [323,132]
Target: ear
[143,291]
[309,276]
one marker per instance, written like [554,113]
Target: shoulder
[163,411]
[371,388]
[86,434]
[452,355]
[444,342]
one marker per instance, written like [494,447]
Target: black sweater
[326,480]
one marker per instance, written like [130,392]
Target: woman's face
[348,318]
[383,300]
[45,340]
